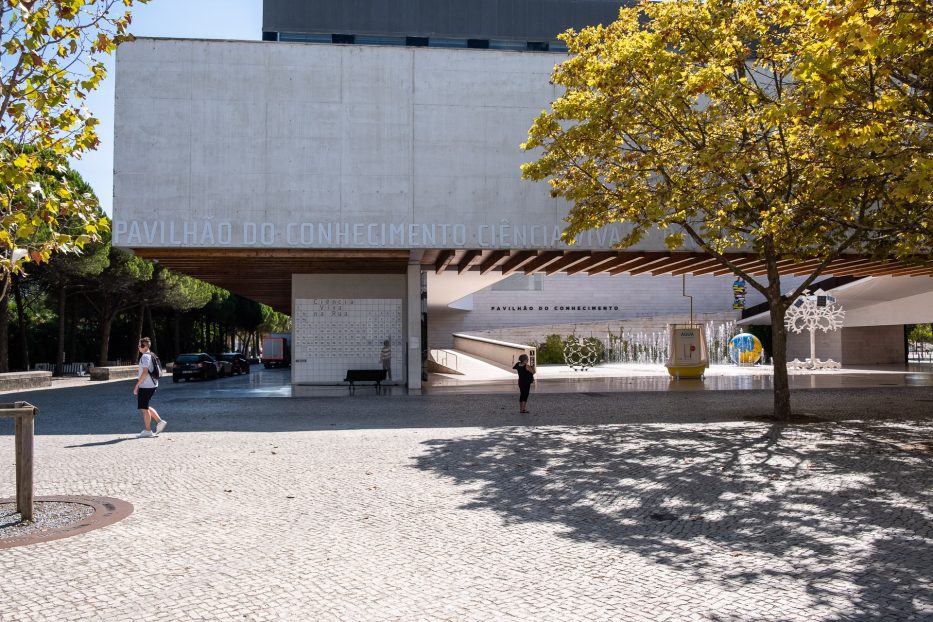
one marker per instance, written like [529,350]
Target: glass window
[558,46]
[377,40]
[506,45]
[295,37]
[441,42]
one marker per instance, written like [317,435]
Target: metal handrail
[444,360]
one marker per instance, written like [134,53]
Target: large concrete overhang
[266,275]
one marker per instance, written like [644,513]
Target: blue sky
[196,19]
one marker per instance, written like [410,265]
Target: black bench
[365,375]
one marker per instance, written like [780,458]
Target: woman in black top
[526,375]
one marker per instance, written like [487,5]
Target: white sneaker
[161,426]
[145,434]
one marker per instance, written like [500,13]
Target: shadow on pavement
[840,509]
[112,441]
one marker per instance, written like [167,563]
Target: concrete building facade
[335,179]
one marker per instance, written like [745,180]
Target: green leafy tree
[868,69]
[177,293]
[66,274]
[50,58]
[114,290]
[690,117]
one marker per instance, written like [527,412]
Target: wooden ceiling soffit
[621,259]
[591,262]
[678,260]
[744,262]
[804,268]
[490,262]
[843,266]
[517,261]
[620,265]
[761,268]
[651,263]
[443,260]
[875,268]
[706,265]
[895,268]
[468,259]
[908,270]
[637,262]
[570,258]
[543,259]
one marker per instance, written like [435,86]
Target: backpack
[155,371]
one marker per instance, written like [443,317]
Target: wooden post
[24,415]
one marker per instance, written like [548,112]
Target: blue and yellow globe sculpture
[745,349]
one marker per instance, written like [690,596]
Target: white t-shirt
[145,362]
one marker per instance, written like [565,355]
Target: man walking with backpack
[146,385]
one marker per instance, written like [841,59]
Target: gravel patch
[47,515]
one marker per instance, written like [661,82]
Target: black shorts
[143,396]
[524,389]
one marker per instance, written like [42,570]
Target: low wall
[874,345]
[501,353]
[115,373]
[23,380]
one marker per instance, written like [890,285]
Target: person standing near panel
[526,376]
[385,356]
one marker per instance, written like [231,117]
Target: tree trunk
[60,350]
[777,308]
[176,334]
[152,329]
[106,322]
[139,329]
[73,331]
[4,331]
[21,318]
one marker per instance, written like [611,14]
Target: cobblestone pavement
[598,506]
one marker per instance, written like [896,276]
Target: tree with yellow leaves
[50,58]
[729,123]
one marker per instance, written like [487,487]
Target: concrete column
[413,327]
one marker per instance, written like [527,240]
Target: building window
[506,45]
[441,42]
[377,40]
[538,46]
[270,36]
[478,44]
[294,37]
[558,46]
[343,39]
[419,42]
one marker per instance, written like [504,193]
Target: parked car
[195,365]
[224,368]
[238,362]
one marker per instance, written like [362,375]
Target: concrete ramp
[459,365]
